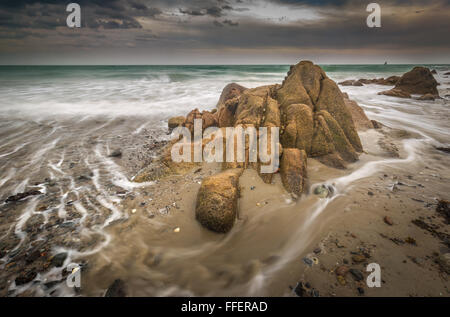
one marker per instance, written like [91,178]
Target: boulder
[418,81]
[176,122]
[217,200]
[293,170]
[230,91]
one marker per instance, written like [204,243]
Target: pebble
[342,270]
[176,230]
[358,258]
[357,274]
[388,220]
[317,250]
[58,259]
[341,280]
[360,291]
[308,261]
[133,211]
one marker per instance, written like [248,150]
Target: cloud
[211,25]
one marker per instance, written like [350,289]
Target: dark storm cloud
[258,25]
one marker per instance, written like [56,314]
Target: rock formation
[418,81]
[315,120]
[390,81]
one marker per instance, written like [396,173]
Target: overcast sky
[223,32]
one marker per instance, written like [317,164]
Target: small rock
[25,278]
[341,280]
[411,241]
[252,188]
[58,260]
[357,274]
[317,250]
[388,220]
[321,191]
[301,290]
[358,258]
[342,270]
[360,291]
[176,230]
[308,261]
[370,193]
[116,153]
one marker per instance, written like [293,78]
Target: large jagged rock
[307,86]
[418,81]
[302,85]
[309,109]
[293,170]
[217,201]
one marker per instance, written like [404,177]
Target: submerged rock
[216,206]
[322,191]
[23,195]
[395,93]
